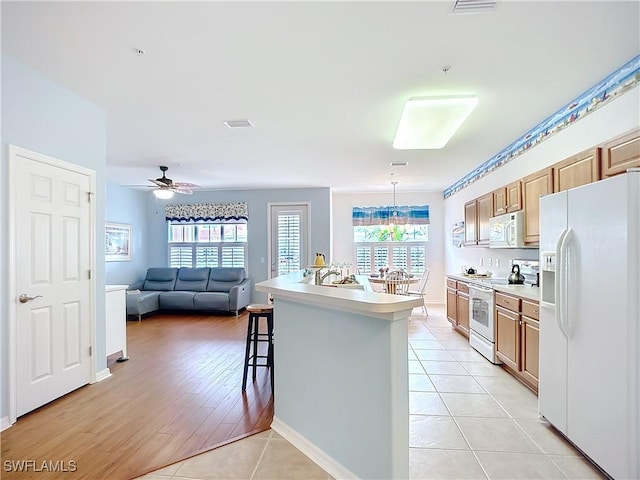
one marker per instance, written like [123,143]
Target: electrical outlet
[481,261]
[497,262]
[490,261]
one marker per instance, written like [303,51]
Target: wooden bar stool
[254,336]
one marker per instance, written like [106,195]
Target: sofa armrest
[240,295]
[143,302]
[136,285]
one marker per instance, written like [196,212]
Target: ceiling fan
[166,187]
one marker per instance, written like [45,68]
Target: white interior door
[289,237]
[52,220]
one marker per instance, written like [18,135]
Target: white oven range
[482,321]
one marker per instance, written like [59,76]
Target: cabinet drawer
[463,287]
[508,302]
[531,309]
[452,283]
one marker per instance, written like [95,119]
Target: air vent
[473,6]
[399,164]
[238,124]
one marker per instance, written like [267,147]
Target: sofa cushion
[192,279]
[221,279]
[176,300]
[160,279]
[211,301]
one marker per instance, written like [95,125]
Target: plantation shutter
[180,256]
[232,256]
[206,256]
[363,259]
[289,239]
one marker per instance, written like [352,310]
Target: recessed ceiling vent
[399,164]
[473,6]
[238,124]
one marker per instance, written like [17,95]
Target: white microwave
[507,231]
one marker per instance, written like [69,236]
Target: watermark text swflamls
[60,466]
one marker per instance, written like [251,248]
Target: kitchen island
[341,392]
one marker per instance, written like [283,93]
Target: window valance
[207,212]
[406,215]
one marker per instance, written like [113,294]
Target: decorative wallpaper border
[621,81]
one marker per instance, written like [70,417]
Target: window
[380,243]
[207,244]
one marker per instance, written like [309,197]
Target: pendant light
[394,213]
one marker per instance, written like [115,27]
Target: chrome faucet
[320,278]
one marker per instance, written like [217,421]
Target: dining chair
[397,282]
[422,288]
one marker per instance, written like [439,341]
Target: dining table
[376,279]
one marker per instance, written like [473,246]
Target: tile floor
[468,419]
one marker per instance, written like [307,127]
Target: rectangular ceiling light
[429,122]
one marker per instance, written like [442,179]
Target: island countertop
[295,286]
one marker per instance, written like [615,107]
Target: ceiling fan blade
[158,183]
[182,190]
[185,185]
[142,186]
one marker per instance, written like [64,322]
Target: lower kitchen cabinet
[508,337]
[517,337]
[530,338]
[458,305]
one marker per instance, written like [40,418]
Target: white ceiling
[323,82]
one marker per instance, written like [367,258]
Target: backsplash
[494,260]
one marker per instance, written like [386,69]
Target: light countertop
[524,291]
[295,286]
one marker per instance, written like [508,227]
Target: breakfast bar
[341,380]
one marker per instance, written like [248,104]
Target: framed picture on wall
[117,242]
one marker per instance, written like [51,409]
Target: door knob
[24,298]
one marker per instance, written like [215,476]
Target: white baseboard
[106,373]
[317,455]
[4,423]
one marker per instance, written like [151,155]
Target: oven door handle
[480,289]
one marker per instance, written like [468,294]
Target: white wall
[127,205]
[342,249]
[45,117]
[619,116]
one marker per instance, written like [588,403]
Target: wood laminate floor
[178,395]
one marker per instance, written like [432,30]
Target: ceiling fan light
[430,122]
[163,193]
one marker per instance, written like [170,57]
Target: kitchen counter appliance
[507,231]
[482,335]
[589,320]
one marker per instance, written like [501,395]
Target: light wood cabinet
[514,196]
[621,153]
[485,212]
[462,305]
[533,187]
[476,220]
[508,337]
[471,223]
[577,170]
[507,199]
[530,339]
[452,306]
[517,337]
[458,305]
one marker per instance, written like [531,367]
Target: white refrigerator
[590,320]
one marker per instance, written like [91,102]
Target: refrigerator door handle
[558,284]
[568,265]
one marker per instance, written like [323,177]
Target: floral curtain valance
[406,215]
[207,212]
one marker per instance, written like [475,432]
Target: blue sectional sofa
[200,289]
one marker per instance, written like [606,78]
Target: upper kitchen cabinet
[533,187]
[621,153]
[476,220]
[507,199]
[471,223]
[577,170]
